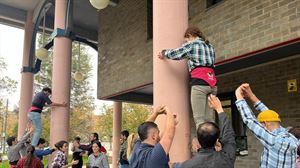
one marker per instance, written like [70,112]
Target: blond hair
[130,144]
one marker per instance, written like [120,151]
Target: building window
[228,104]
[210,3]
[149,19]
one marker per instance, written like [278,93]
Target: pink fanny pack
[32,108]
[206,74]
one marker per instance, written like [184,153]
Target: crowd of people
[21,154]
[214,145]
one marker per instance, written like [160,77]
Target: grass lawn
[5,164]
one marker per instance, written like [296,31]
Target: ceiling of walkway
[13,13]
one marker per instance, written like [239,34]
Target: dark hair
[46,89]
[144,128]
[195,32]
[10,140]
[98,143]
[296,132]
[207,134]
[41,141]
[77,139]
[96,135]
[125,133]
[60,144]
[29,150]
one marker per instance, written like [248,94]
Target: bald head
[207,134]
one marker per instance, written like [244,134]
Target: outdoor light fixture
[78,76]
[99,4]
[42,53]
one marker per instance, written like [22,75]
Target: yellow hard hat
[268,116]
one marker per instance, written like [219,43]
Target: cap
[268,116]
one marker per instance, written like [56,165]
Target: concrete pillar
[61,77]
[170,78]
[117,125]
[26,77]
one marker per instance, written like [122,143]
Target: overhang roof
[13,13]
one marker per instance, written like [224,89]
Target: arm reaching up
[248,94]
[25,137]
[169,132]
[227,133]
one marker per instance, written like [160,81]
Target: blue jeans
[124,166]
[36,120]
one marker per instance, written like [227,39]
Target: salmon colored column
[117,125]
[61,77]
[170,78]
[26,78]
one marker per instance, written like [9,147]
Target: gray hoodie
[13,153]
[97,161]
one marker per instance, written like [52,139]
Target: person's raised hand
[160,55]
[247,93]
[215,103]
[239,93]
[160,110]
[246,90]
[171,116]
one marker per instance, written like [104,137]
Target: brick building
[255,41]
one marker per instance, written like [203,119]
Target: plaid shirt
[280,147]
[198,53]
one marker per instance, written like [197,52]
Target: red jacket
[36,163]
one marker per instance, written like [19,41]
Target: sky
[11,49]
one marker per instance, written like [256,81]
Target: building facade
[255,41]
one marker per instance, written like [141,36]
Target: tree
[82,101]
[7,86]
[132,116]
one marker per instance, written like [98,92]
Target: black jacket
[209,158]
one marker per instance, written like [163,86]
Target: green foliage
[7,85]
[132,116]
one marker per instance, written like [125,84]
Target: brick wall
[125,54]
[234,27]
[269,83]
[237,27]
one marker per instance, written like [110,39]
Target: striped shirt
[280,147]
[198,53]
